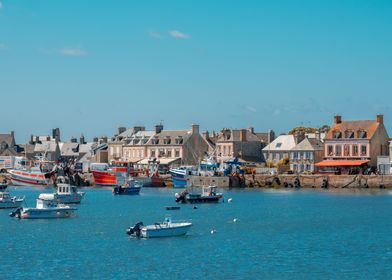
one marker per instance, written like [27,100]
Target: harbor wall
[320,181]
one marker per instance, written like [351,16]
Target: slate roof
[45,146]
[70,149]
[234,135]
[309,144]
[170,134]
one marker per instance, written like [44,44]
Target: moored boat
[168,228]
[208,194]
[65,193]
[46,208]
[7,201]
[131,187]
[181,176]
[3,186]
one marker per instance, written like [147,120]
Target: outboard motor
[135,230]
[16,213]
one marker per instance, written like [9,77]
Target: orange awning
[341,163]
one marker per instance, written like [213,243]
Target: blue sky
[91,66]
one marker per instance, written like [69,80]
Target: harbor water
[260,235]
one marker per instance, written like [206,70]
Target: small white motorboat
[45,209]
[168,228]
[7,201]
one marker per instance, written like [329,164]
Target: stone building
[351,144]
[305,154]
[8,146]
[240,143]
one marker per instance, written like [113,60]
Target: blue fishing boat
[131,187]
[181,176]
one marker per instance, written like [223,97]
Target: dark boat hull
[126,191]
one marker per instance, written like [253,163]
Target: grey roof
[282,143]
[141,137]
[235,135]
[309,144]
[45,146]
[70,149]
[170,134]
[7,138]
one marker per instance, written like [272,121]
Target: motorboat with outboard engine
[167,228]
[45,209]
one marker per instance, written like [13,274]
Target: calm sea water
[278,235]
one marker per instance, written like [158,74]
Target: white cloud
[179,35]
[251,108]
[155,35]
[73,51]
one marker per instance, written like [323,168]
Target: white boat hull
[156,231]
[50,213]
[23,178]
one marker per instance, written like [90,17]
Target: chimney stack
[243,135]
[380,119]
[195,128]
[31,139]
[81,140]
[337,119]
[252,130]
[158,128]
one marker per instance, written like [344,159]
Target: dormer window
[167,141]
[278,145]
[337,134]
[145,140]
[349,134]
[136,141]
[362,134]
[155,141]
[179,140]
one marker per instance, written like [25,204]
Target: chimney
[337,119]
[36,139]
[81,139]
[271,136]
[380,119]
[74,140]
[206,135]
[299,137]
[31,139]
[195,128]
[252,130]
[243,135]
[121,129]
[104,139]
[56,134]
[158,128]
[95,139]
[318,135]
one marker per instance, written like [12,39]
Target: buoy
[235,220]
[213,231]
[194,207]
[230,200]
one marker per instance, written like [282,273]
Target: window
[308,167]
[362,134]
[179,140]
[349,134]
[295,155]
[363,150]
[278,145]
[169,153]
[152,153]
[330,150]
[224,150]
[355,150]
[161,152]
[337,134]
[177,153]
[346,150]
[338,151]
[155,141]
[167,141]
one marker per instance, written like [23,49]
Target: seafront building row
[347,146]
